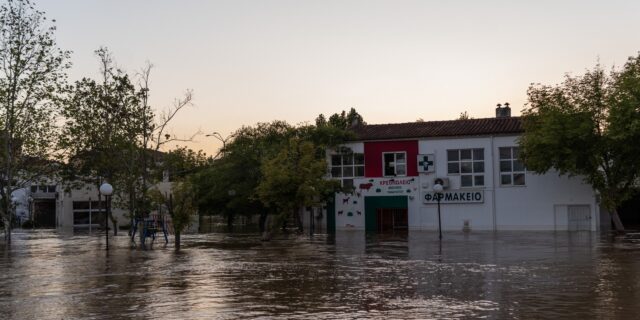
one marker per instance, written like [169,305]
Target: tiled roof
[451,128]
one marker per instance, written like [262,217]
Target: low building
[392,168]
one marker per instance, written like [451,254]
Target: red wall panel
[373,156]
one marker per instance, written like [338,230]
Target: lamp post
[30,199]
[106,190]
[437,188]
[222,139]
[230,215]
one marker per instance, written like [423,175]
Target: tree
[104,121]
[343,120]
[112,119]
[180,204]
[294,179]
[182,162]
[464,116]
[272,169]
[588,126]
[32,75]
[228,186]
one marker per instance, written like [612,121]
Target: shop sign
[470,196]
[404,185]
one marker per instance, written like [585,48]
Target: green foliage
[588,126]
[31,80]
[103,123]
[239,170]
[180,203]
[106,122]
[464,116]
[294,178]
[112,133]
[272,168]
[343,120]
[182,162]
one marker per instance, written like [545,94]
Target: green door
[331,215]
[373,204]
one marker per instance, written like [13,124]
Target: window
[346,167]
[469,164]
[43,188]
[512,170]
[395,164]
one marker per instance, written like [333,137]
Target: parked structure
[391,169]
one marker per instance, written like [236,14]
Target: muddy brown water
[508,275]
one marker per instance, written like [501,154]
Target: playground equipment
[151,225]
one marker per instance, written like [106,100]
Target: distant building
[392,168]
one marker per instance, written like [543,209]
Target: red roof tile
[451,128]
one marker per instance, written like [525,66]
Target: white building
[392,169]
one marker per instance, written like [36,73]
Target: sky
[394,61]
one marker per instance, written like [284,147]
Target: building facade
[390,171]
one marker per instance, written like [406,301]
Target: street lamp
[30,199]
[106,190]
[438,189]
[222,139]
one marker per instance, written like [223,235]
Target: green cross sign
[425,163]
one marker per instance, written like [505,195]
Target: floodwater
[523,275]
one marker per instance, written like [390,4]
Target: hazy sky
[394,61]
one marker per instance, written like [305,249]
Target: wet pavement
[509,275]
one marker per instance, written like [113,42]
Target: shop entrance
[390,220]
[386,213]
[44,213]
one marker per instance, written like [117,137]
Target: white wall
[535,206]
[380,187]
[84,193]
[539,205]
[349,211]
[20,199]
[453,216]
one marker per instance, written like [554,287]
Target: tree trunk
[141,229]
[230,221]
[617,223]
[114,222]
[266,230]
[177,239]
[296,215]
[7,231]
[261,222]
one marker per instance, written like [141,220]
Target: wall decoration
[358,194]
[340,212]
[378,190]
[349,214]
[366,186]
[355,202]
[359,213]
[345,200]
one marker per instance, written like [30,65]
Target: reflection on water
[45,275]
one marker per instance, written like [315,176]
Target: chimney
[503,112]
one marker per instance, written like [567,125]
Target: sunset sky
[394,61]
